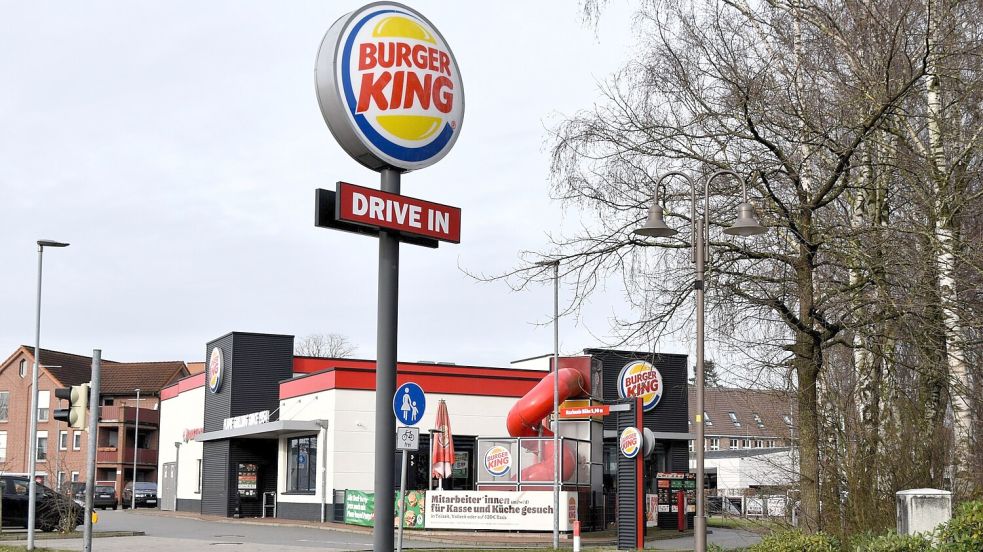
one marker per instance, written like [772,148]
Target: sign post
[409,403]
[391,117]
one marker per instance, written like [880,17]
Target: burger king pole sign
[391,93]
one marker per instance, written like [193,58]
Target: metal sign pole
[385,375]
[402,503]
[90,461]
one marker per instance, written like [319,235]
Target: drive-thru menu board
[669,484]
[246,480]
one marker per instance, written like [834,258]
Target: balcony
[128,414]
[111,455]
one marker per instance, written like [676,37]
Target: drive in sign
[369,207]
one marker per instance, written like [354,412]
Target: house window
[62,440]
[3,446]
[198,490]
[301,462]
[745,443]
[4,405]
[76,440]
[771,443]
[735,444]
[715,443]
[706,419]
[23,367]
[75,477]
[758,443]
[733,418]
[42,452]
[757,420]
[44,400]
[61,481]
[788,420]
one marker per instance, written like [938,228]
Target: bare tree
[331,345]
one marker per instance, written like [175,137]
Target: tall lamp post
[32,445]
[745,225]
[136,447]
[556,399]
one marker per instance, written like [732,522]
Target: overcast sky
[177,146]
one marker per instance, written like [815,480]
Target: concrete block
[922,510]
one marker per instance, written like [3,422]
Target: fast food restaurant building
[261,425]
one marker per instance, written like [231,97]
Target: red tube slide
[526,420]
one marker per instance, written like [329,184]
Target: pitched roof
[117,378]
[195,367]
[68,368]
[149,377]
[760,412]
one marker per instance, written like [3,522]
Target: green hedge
[892,542]
[797,541]
[964,532]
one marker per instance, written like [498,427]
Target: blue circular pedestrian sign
[409,403]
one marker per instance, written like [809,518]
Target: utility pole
[90,461]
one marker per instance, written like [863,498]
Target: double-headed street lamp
[745,225]
[32,445]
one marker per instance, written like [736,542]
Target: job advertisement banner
[498,510]
[360,509]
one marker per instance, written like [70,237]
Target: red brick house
[61,449]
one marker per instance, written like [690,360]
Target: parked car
[146,494]
[49,510]
[104,496]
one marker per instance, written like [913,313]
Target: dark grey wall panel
[671,412]
[215,478]
[261,362]
[299,510]
[189,505]
[218,405]
[630,502]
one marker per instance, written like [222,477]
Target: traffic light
[78,400]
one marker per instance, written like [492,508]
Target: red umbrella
[442,448]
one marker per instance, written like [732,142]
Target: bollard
[576,536]
[681,510]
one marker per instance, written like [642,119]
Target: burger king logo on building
[640,379]
[498,460]
[630,442]
[216,370]
[389,87]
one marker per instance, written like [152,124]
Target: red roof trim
[185,384]
[434,378]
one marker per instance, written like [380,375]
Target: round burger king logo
[640,379]
[216,370]
[630,442]
[498,460]
[389,87]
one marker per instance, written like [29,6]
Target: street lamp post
[556,399]
[136,446]
[655,226]
[32,445]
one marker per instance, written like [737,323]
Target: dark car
[104,496]
[146,494]
[50,507]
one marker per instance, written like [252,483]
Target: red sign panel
[585,411]
[359,205]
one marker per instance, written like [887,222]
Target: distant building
[750,439]
[61,450]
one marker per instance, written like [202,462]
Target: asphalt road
[180,534]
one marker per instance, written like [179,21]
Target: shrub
[796,541]
[892,542]
[964,532]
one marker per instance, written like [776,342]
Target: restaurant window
[4,405]
[301,462]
